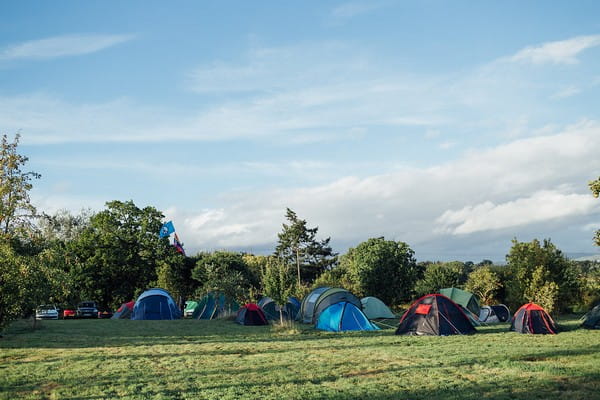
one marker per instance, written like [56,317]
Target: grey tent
[592,318]
[321,298]
[375,308]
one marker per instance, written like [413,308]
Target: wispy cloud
[559,52]
[61,46]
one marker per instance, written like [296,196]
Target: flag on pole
[166,229]
[178,245]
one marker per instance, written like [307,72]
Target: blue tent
[155,304]
[344,316]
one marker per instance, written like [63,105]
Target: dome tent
[213,305]
[494,314]
[592,318]
[343,316]
[271,310]
[531,318]
[436,315]
[321,298]
[375,308]
[155,304]
[251,314]
[125,311]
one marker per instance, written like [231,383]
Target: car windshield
[89,304]
[46,307]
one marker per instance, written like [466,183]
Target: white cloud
[539,207]
[559,52]
[513,186]
[568,91]
[61,46]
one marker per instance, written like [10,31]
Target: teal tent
[271,310]
[343,316]
[592,318]
[466,300]
[215,305]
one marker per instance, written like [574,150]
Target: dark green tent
[215,305]
[466,300]
[271,310]
[592,318]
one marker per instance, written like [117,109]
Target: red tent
[531,318]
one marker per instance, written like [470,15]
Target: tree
[16,210]
[382,268]
[595,188]
[277,283]
[485,284]
[118,254]
[440,275]
[226,272]
[298,246]
[534,265]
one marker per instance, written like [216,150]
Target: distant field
[188,359]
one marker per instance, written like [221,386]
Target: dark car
[87,309]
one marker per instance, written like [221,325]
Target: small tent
[155,304]
[466,300]
[437,315]
[494,314]
[321,298]
[214,305]
[125,311]
[531,318]
[251,314]
[271,310]
[592,318]
[375,308]
[343,316]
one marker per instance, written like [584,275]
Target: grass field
[189,359]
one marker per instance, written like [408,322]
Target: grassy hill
[189,359]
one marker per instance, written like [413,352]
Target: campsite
[219,359]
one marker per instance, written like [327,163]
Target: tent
[592,318]
[321,298]
[494,314]
[375,308]
[437,315]
[124,312]
[214,305]
[531,318]
[155,304]
[251,314]
[271,310]
[344,316]
[466,300]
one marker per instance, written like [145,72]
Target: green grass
[189,359]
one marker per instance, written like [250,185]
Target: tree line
[113,255]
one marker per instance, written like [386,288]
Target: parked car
[46,311]
[87,309]
[69,313]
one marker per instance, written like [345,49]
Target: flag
[166,229]
[178,245]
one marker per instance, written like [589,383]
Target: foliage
[524,262]
[336,277]
[595,188]
[118,254]
[12,281]
[16,210]
[440,275]
[277,283]
[382,268]
[485,284]
[589,283]
[63,226]
[298,245]
[541,290]
[225,271]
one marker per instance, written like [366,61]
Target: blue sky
[452,126]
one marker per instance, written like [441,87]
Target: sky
[455,127]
